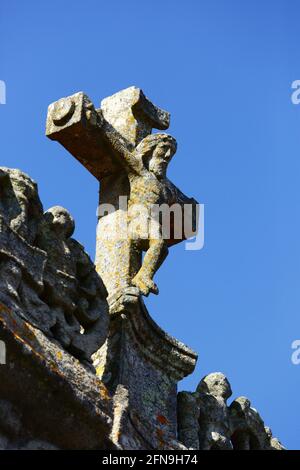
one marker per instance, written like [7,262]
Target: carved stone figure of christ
[146,167]
[116,145]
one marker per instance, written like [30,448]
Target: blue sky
[224,70]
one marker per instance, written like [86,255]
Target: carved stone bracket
[148,362]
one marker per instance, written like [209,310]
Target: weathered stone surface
[133,407]
[133,115]
[206,422]
[116,145]
[275,444]
[248,429]
[47,395]
[53,310]
[188,415]
[213,393]
[45,275]
[50,400]
[148,363]
[20,205]
[55,317]
[73,289]
[13,436]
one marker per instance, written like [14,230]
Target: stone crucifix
[116,145]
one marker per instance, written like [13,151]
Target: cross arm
[81,129]
[103,139]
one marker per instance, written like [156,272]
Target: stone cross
[106,143]
[138,360]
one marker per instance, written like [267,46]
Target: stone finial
[205,421]
[247,427]
[214,431]
[216,384]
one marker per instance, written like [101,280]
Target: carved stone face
[216,384]
[61,221]
[160,159]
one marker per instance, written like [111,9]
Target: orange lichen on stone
[162,419]
[4,308]
[104,392]
[160,437]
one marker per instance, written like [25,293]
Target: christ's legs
[154,257]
